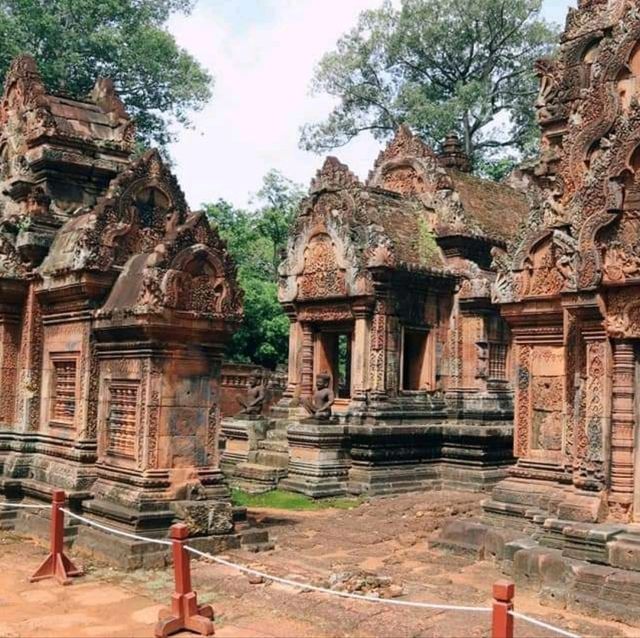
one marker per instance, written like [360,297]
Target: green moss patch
[279,499]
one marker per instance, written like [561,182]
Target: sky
[262,54]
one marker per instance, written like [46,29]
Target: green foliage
[427,245]
[438,66]
[75,41]
[257,240]
[279,499]
[497,169]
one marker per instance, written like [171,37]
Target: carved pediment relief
[404,180]
[548,267]
[143,206]
[322,275]
[195,282]
[622,319]
[620,245]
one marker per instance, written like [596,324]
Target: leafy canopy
[438,66]
[256,239]
[75,41]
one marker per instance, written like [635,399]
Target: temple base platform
[557,540]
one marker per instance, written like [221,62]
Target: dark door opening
[414,360]
[334,357]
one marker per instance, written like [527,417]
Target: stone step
[277,460]
[274,445]
[256,478]
[255,540]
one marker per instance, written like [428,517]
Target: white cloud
[263,57]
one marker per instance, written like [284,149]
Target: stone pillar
[360,366]
[295,351]
[622,426]
[378,351]
[9,344]
[30,365]
[306,376]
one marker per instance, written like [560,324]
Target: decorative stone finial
[453,154]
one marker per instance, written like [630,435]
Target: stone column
[360,368]
[378,351]
[306,377]
[9,344]
[622,425]
[30,365]
[295,351]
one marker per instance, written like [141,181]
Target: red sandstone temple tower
[570,291]
[387,287]
[116,303]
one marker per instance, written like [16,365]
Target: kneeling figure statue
[319,407]
[252,404]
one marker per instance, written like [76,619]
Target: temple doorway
[333,355]
[416,367]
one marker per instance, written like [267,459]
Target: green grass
[279,499]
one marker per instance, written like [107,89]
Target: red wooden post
[57,564]
[185,614]
[502,620]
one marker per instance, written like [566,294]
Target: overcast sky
[262,54]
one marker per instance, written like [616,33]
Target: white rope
[303,586]
[25,506]
[544,625]
[88,521]
[324,590]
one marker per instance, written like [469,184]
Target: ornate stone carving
[322,275]
[523,400]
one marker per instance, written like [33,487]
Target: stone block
[318,460]
[624,551]
[204,518]
[464,537]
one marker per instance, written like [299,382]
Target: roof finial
[453,154]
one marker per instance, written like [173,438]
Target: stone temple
[567,516]
[387,286]
[116,302]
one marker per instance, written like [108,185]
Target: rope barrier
[324,590]
[25,506]
[136,537]
[278,579]
[543,625]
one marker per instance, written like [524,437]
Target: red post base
[57,564]
[185,614]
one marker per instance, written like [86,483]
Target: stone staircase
[266,466]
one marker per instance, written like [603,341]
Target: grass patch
[279,499]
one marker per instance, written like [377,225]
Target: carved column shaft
[360,355]
[306,377]
[378,350]
[622,424]
[295,352]
[9,344]
[522,424]
[30,366]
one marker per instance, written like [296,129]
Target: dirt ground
[384,538]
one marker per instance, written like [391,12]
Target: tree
[256,240]
[74,41]
[279,199]
[438,66]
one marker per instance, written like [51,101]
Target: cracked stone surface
[385,539]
